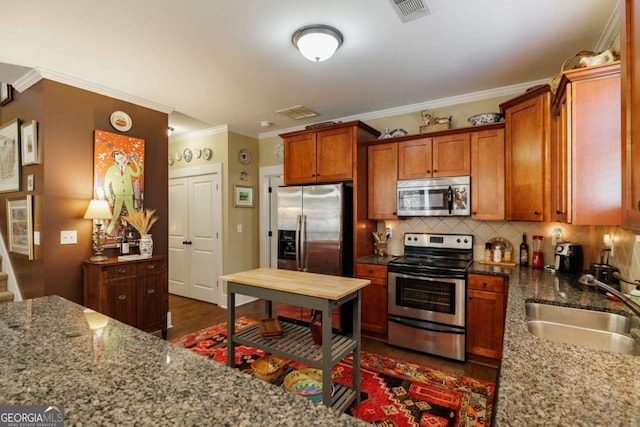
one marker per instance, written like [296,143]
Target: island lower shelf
[296,344]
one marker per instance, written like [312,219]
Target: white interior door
[203,233]
[270,178]
[178,235]
[274,182]
[195,238]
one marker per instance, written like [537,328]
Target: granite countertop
[117,375]
[546,383]
[377,259]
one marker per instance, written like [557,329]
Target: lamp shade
[317,42]
[98,209]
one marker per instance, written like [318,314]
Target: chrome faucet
[622,297]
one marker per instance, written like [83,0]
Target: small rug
[393,392]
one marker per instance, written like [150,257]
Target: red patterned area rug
[393,392]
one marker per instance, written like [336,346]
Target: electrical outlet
[389,232]
[69,237]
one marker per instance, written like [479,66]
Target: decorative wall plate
[197,153]
[170,159]
[121,121]
[187,154]
[244,156]
[279,151]
[207,153]
[178,156]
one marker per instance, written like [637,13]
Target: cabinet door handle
[428,171]
[151,291]
[470,298]
[484,284]
[559,212]
[122,297]
[639,205]
[474,213]
[435,171]
[150,266]
[536,213]
[122,270]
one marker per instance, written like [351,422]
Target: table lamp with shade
[98,211]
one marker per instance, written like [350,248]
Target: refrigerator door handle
[303,242]
[298,243]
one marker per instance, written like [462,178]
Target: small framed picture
[6,93]
[10,156]
[29,142]
[243,197]
[20,225]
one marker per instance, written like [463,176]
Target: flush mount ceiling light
[317,42]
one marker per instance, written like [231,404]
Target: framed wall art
[29,143]
[243,197]
[20,225]
[118,164]
[10,156]
[6,93]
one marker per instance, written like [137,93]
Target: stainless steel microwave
[435,197]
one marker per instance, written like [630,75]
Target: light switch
[36,238]
[239,228]
[69,237]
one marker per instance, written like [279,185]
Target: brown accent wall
[67,118]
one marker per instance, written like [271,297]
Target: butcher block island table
[316,291]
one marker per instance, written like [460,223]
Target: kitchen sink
[593,329]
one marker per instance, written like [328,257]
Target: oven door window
[429,295]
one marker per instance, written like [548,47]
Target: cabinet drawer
[371,270]
[151,266]
[120,271]
[488,283]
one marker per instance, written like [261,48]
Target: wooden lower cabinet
[486,309]
[133,292]
[374,299]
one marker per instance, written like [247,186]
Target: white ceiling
[210,62]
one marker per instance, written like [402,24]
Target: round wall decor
[121,121]
[244,156]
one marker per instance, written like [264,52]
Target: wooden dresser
[134,292]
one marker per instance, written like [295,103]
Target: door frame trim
[265,173]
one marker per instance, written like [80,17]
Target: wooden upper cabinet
[300,155]
[487,175]
[527,153]
[382,161]
[630,45]
[335,151]
[452,155]
[586,151]
[324,155]
[435,157]
[415,159]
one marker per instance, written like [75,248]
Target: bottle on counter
[506,256]
[124,243]
[524,251]
[488,255]
[497,254]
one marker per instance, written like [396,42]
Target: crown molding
[199,133]
[611,30]
[36,74]
[437,103]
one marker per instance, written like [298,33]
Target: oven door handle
[450,199]
[427,326]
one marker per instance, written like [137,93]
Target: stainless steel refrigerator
[315,235]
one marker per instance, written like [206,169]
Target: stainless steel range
[427,291]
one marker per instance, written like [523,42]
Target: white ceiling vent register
[298,112]
[409,10]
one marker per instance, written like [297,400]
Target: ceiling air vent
[409,10]
[298,112]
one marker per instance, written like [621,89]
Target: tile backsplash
[626,252]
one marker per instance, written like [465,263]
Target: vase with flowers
[142,221]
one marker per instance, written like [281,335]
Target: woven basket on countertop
[554,82]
